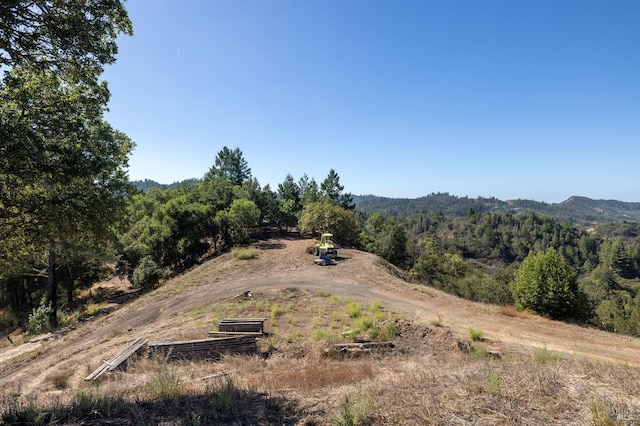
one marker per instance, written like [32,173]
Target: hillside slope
[578,210]
[165,314]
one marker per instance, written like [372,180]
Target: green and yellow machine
[325,247]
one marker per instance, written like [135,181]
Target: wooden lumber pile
[204,349]
[119,361]
[244,325]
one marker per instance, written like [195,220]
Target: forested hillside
[577,210]
[143,185]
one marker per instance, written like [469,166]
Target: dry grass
[430,377]
[512,312]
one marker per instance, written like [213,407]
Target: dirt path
[282,263]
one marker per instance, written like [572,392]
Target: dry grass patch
[312,375]
[512,312]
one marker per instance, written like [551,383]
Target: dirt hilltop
[283,263]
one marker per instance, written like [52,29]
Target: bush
[545,285]
[39,319]
[476,335]
[147,274]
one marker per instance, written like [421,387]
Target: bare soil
[167,314]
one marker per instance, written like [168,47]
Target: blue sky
[532,99]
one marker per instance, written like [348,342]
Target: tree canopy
[231,165]
[64,36]
[544,284]
[63,174]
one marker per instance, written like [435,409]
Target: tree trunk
[28,293]
[70,286]
[52,284]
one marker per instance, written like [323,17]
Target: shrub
[321,334]
[353,309]
[476,335]
[39,319]
[165,384]
[147,274]
[544,284]
[362,323]
[389,331]
[276,311]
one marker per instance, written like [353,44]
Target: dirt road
[283,263]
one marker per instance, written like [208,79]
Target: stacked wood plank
[119,361]
[245,325]
[204,349]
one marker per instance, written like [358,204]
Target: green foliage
[353,309]
[63,167]
[38,322]
[165,383]
[389,331]
[544,284]
[332,191]
[309,190]
[321,334]
[230,165]
[243,216]
[147,274]
[245,253]
[361,324]
[324,217]
[66,37]
[476,335]
[386,238]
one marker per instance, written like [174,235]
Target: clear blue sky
[535,99]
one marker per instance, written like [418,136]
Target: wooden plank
[235,333]
[119,360]
[250,325]
[364,345]
[205,349]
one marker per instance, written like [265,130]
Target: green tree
[289,190]
[325,217]
[309,190]
[391,243]
[231,165]
[545,284]
[332,191]
[243,216]
[77,35]
[62,167]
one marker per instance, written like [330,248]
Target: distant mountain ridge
[578,210]
[145,184]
